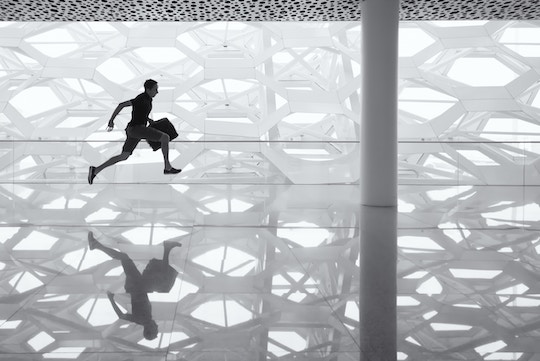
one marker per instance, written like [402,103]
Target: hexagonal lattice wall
[467,105]
[219,82]
[267,202]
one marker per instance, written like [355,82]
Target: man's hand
[110,126]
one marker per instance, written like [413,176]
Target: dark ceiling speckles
[254,10]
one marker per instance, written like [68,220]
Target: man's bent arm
[119,313]
[120,106]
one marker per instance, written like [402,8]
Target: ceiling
[253,10]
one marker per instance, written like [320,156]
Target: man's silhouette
[137,129]
[157,276]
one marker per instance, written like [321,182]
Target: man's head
[150,331]
[151,87]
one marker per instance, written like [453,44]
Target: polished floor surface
[264,272]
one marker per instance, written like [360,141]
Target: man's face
[153,91]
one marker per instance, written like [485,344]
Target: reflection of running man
[157,276]
[137,130]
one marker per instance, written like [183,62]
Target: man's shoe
[171,171]
[171,244]
[91,174]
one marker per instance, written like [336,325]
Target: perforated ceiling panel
[254,10]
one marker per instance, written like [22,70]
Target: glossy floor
[264,272]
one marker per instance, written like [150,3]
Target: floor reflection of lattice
[271,285]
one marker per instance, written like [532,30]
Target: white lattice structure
[267,203]
[219,82]
[468,104]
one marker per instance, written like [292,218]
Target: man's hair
[149,84]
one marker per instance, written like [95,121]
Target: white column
[378,179]
[378,320]
[378,176]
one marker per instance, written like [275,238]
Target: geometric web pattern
[469,105]
[259,108]
[252,101]
[267,203]
[468,196]
[262,282]
[467,272]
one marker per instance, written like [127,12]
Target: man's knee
[165,138]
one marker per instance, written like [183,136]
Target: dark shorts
[138,132]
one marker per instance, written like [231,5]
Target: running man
[136,130]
